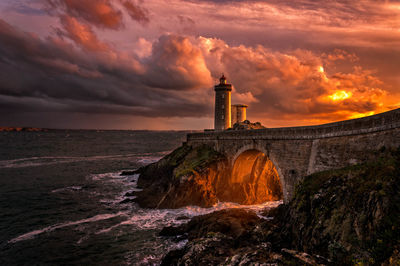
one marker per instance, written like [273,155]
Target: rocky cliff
[349,215]
[201,176]
[187,176]
[339,217]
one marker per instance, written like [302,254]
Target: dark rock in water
[172,231]
[227,237]
[211,237]
[126,201]
[130,172]
[230,222]
[130,193]
[183,218]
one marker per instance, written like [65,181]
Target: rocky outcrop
[350,215]
[187,176]
[339,217]
[230,237]
[201,176]
[246,125]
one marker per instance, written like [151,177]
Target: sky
[152,64]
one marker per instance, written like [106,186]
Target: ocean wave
[49,160]
[146,219]
[149,160]
[71,188]
[51,228]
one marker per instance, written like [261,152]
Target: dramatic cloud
[59,77]
[136,12]
[98,12]
[178,65]
[82,34]
[293,62]
[293,85]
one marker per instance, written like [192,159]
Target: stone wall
[299,151]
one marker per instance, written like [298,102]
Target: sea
[64,202]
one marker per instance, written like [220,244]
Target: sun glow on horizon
[359,115]
[340,95]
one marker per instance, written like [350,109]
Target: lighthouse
[222,119]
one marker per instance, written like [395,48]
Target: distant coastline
[36,129]
[23,129]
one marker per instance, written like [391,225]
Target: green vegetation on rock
[350,214]
[196,160]
[187,176]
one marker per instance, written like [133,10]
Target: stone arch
[254,148]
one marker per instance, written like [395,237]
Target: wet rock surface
[201,176]
[230,237]
[340,217]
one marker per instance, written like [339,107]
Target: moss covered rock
[187,176]
[351,215]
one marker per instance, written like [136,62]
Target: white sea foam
[34,233]
[146,219]
[71,188]
[134,217]
[149,160]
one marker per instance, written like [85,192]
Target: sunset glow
[128,64]
[362,115]
[340,96]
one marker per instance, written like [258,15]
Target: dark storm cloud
[52,75]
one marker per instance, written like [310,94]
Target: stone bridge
[300,151]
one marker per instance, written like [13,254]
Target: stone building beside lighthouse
[238,113]
[226,115]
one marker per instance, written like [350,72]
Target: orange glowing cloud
[340,95]
[82,34]
[293,85]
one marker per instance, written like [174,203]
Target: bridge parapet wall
[298,151]
[375,123]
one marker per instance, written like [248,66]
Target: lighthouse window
[222,116]
[223,96]
[223,106]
